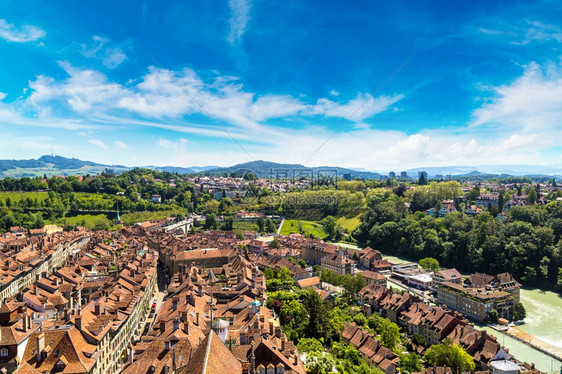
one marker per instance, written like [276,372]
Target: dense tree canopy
[451,355]
[528,245]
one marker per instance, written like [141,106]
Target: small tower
[255,306]
[221,329]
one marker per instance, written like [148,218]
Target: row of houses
[434,323]
[372,351]
[214,321]
[25,258]
[83,316]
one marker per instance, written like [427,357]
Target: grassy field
[51,171]
[17,196]
[350,224]
[308,227]
[130,219]
[245,226]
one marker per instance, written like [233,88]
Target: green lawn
[88,221]
[130,219]
[17,196]
[350,224]
[308,227]
[245,226]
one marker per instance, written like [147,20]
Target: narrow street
[159,297]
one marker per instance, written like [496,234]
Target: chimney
[278,331]
[97,309]
[175,301]
[25,323]
[197,319]
[200,290]
[186,327]
[183,316]
[40,346]
[271,328]
[78,321]
[162,327]
[56,281]
[283,341]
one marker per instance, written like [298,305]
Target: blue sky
[372,85]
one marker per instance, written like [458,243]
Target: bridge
[183,226]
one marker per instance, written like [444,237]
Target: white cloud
[362,107]
[169,95]
[163,99]
[540,32]
[171,144]
[98,143]
[525,32]
[27,33]
[531,103]
[3,95]
[516,141]
[239,19]
[119,144]
[110,57]
[113,57]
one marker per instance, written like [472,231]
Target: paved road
[160,294]
[280,226]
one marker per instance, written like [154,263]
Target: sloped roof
[212,357]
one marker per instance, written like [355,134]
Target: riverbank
[541,345]
[523,352]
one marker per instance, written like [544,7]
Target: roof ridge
[208,349]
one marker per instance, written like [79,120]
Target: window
[4,352]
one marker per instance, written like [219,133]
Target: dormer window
[60,365]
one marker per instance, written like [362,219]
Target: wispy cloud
[26,33]
[120,145]
[240,10]
[163,95]
[98,143]
[362,107]
[524,32]
[89,99]
[110,57]
[531,103]
[171,144]
[541,32]
[3,95]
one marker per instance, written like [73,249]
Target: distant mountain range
[59,165]
[513,170]
[264,169]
